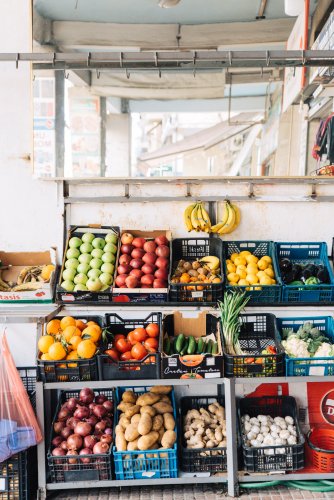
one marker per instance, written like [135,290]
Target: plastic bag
[19,428]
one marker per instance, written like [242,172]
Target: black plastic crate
[28,376]
[69,370]
[147,368]
[258,331]
[193,249]
[100,466]
[200,459]
[281,457]
[18,476]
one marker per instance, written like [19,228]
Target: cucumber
[214,349]
[185,347]
[167,346]
[209,347]
[191,346]
[179,342]
[200,345]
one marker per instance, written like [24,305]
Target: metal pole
[41,446]
[60,123]
[232,448]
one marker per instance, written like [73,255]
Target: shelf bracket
[188,194]
[126,190]
[314,192]
[251,194]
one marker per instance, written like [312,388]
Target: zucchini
[167,346]
[191,346]
[172,346]
[179,342]
[200,345]
[209,345]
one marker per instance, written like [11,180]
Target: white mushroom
[289,420]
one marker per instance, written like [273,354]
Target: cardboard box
[154,295]
[85,297]
[197,325]
[19,260]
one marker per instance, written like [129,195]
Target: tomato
[113,354]
[138,351]
[131,339]
[139,334]
[152,330]
[151,344]
[123,345]
[126,356]
[118,336]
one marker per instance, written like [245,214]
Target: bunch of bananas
[196,218]
[230,219]
[30,278]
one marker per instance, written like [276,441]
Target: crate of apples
[143,262]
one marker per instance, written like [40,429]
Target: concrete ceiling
[148,11]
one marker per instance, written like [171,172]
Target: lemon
[261,273]
[262,264]
[269,271]
[244,253]
[242,273]
[231,268]
[234,256]
[251,259]
[228,261]
[265,280]
[243,282]
[241,267]
[233,277]
[252,279]
[240,261]
[273,282]
[267,258]
[252,269]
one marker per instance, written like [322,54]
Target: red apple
[137,253]
[124,259]
[162,262]
[136,263]
[159,284]
[136,272]
[126,249]
[161,240]
[161,274]
[124,269]
[162,251]
[150,246]
[148,269]
[138,242]
[147,279]
[126,238]
[120,280]
[150,258]
[131,282]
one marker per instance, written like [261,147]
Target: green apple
[85,258]
[74,242]
[68,274]
[95,263]
[94,284]
[80,279]
[106,279]
[97,253]
[72,253]
[108,257]
[107,267]
[94,273]
[110,247]
[80,288]
[111,238]
[87,237]
[71,264]
[98,243]
[83,268]
[68,285]
[104,288]
[86,248]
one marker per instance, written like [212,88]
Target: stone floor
[199,492]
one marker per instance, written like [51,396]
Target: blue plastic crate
[149,464]
[306,253]
[302,367]
[268,294]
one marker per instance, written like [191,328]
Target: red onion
[64,414]
[74,442]
[72,460]
[66,432]
[99,428]
[63,445]
[92,420]
[100,448]
[99,411]
[83,429]
[86,395]
[56,441]
[100,399]
[91,406]
[58,452]
[85,451]
[72,422]
[108,430]
[58,427]
[108,405]
[107,421]
[72,403]
[90,441]
[106,438]
[81,412]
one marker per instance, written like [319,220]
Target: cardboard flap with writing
[190,324]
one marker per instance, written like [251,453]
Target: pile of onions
[83,427]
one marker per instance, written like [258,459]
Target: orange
[86,349]
[53,327]
[80,324]
[47,271]
[91,333]
[57,351]
[69,332]
[185,278]
[45,342]
[75,341]
[72,355]
[67,321]
[92,324]
[46,357]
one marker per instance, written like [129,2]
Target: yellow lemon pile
[244,269]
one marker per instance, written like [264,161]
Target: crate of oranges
[67,349]
[252,267]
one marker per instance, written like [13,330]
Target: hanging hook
[230,57]
[156,59]
[261,71]
[127,73]
[294,71]
[267,57]
[121,59]
[66,75]
[17,60]
[194,63]
[54,59]
[303,57]
[159,73]
[89,55]
[98,74]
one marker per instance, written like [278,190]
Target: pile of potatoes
[205,428]
[146,421]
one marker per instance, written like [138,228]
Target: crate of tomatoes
[133,346]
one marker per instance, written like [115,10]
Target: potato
[132,411]
[129,397]
[135,419]
[147,399]
[161,389]
[124,406]
[148,409]
[168,439]
[163,408]
[145,442]
[158,422]
[169,421]
[124,421]
[131,432]
[165,399]
[161,433]
[145,424]
[133,445]
[120,441]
